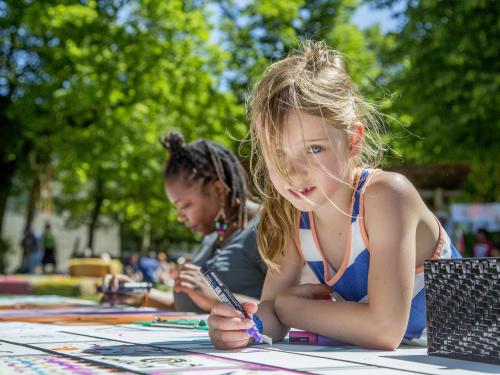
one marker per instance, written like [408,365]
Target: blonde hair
[312,80]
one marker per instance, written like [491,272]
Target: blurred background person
[32,247]
[49,262]
[483,246]
[163,270]
[131,268]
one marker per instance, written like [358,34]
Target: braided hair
[207,161]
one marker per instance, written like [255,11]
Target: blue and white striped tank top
[350,281]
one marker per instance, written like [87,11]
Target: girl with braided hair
[207,184]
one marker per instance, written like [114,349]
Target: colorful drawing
[64,348]
[29,301]
[50,365]
[104,349]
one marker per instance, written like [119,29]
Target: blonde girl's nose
[297,166]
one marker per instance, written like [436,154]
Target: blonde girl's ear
[355,139]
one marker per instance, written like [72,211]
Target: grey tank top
[237,262]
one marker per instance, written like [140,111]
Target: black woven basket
[463,308]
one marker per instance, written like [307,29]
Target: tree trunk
[146,238]
[8,169]
[33,200]
[99,198]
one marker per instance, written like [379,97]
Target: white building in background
[106,239]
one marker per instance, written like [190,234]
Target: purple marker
[309,338]
[225,296]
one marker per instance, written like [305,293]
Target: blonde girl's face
[315,159]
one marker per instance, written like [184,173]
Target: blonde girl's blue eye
[314,149]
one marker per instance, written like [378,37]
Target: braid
[230,172]
[208,161]
[239,190]
[216,162]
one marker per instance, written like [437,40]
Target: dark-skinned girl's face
[197,204]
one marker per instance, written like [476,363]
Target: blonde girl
[364,233]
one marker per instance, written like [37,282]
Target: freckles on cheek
[274,179]
[274,176]
[277,183]
[326,167]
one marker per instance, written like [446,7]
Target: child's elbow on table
[386,340]
[381,334]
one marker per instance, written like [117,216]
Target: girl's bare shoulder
[388,190]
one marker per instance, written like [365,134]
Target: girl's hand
[173,272]
[110,285]
[192,282]
[112,282]
[227,326]
[308,291]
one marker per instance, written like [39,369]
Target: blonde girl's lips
[300,193]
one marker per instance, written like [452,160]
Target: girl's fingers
[115,283]
[106,282]
[228,337]
[319,288]
[313,287]
[123,279]
[191,274]
[222,309]
[106,279]
[229,324]
[193,267]
[177,285]
[187,277]
[250,308]
[187,284]
[181,289]
[174,273]
[111,283]
[231,344]
[320,291]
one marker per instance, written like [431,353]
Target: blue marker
[225,296]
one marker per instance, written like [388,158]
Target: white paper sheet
[156,350]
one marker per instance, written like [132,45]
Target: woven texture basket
[463,308]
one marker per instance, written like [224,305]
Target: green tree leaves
[110,78]
[445,68]
[87,87]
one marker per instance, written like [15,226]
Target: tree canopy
[87,87]
[442,66]
[106,81]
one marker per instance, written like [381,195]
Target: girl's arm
[277,282]
[227,325]
[392,209]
